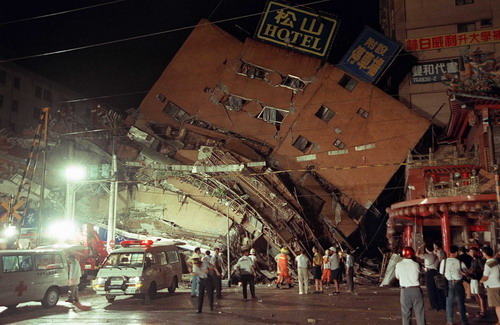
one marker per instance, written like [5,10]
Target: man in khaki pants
[303,272]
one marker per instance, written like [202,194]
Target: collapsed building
[292,150]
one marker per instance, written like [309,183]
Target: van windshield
[124,260]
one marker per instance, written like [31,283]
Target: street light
[243,197]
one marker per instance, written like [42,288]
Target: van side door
[164,269]
[174,263]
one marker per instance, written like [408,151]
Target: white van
[139,267]
[32,275]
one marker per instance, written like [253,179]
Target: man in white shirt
[195,280]
[247,274]
[491,279]
[454,270]
[431,262]
[303,272]
[336,270]
[216,261]
[411,297]
[349,273]
[75,273]
[201,270]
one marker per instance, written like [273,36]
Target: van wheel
[152,290]
[110,299]
[51,298]
[173,285]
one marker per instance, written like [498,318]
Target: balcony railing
[455,158]
[467,186]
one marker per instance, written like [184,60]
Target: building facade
[443,36]
[23,93]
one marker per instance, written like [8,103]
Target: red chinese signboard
[453,40]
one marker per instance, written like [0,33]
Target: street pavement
[371,305]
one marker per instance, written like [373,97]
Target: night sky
[133,66]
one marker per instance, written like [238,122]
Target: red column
[408,235]
[445,231]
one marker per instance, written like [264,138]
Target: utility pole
[113,198]
[45,111]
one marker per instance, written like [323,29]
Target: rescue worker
[411,297]
[327,275]
[75,273]
[202,270]
[454,271]
[336,270]
[253,257]
[246,269]
[216,261]
[284,274]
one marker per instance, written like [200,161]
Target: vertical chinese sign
[298,28]
[369,56]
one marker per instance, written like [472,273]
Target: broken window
[175,112]
[486,23]
[466,27]
[325,113]
[47,95]
[339,144]
[302,144]
[348,82]
[292,82]
[463,2]
[234,103]
[161,97]
[363,113]
[272,115]
[252,71]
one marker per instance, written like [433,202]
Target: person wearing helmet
[411,297]
[284,274]
[253,257]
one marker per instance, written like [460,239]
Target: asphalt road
[372,305]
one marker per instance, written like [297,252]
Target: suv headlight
[100,281]
[135,280]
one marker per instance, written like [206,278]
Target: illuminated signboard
[297,28]
[435,71]
[370,54]
[453,40]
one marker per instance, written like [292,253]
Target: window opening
[172,257]
[466,27]
[486,23]
[3,76]
[15,105]
[272,115]
[463,2]
[175,112]
[363,113]
[234,103]
[325,114]
[339,144]
[348,82]
[292,82]
[252,71]
[302,144]
[17,263]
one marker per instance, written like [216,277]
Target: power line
[58,13]
[148,35]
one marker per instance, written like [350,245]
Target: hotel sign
[369,56]
[453,40]
[297,28]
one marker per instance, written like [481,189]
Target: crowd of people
[450,280]
[329,269]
